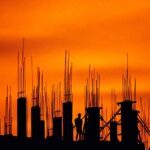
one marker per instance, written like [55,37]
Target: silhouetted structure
[92,128]
[129,117]
[92,109]
[21,118]
[42,129]
[21,101]
[113,132]
[135,131]
[35,123]
[67,121]
[42,122]
[56,112]
[67,105]
[129,122]
[57,128]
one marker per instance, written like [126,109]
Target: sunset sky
[97,32]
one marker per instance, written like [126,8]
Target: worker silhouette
[78,125]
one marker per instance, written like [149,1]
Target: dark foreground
[14,144]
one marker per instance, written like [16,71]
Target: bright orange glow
[98,32]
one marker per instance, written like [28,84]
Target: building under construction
[52,120]
[21,101]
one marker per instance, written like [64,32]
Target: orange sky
[99,32]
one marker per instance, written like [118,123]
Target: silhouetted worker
[78,125]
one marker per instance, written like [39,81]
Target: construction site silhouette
[89,127]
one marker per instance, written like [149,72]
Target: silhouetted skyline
[59,112]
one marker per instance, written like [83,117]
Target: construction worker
[78,125]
